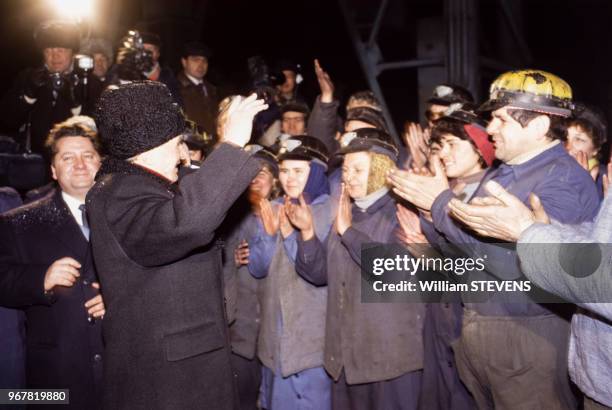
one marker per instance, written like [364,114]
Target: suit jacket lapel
[68,231]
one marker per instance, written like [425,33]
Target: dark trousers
[590,404]
[248,378]
[442,388]
[401,393]
[515,362]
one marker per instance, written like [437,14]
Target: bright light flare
[74,9]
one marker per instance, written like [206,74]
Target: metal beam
[368,59]
[416,63]
[462,44]
[520,40]
[493,64]
[379,16]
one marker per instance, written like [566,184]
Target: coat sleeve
[355,239]
[560,202]
[21,283]
[156,229]
[556,257]
[311,261]
[261,250]
[323,123]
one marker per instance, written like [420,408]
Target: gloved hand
[36,79]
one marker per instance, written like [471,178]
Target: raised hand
[240,116]
[325,83]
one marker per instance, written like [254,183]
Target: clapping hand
[344,220]
[502,216]
[420,190]
[417,141]
[283,222]
[268,217]
[300,216]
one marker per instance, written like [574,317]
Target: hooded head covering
[382,149]
[307,148]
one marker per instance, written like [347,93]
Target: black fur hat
[57,34]
[136,117]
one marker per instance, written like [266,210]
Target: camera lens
[57,81]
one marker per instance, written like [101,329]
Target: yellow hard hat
[533,90]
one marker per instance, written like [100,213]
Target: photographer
[263,82]
[49,94]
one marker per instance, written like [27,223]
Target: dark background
[567,37]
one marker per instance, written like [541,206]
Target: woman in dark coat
[373,351]
[167,343]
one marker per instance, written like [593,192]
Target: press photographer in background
[51,93]
[264,82]
[131,62]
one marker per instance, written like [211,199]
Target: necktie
[85,224]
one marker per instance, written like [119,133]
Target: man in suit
[46,269]
[199,95]
[167,341]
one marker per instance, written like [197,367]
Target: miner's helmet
[533,90]
[302,147]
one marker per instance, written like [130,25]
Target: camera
[84,62]
[261,74]
[263,80]
[57,81]
[132,58]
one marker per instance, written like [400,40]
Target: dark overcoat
[201,102]
[370,342]
[167,343]
[63,348]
